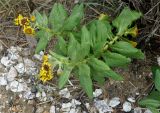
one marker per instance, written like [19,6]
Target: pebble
[127,106]
[6,62]
[40,110]
[20,68]
[158,60]
[1,47]
[12,74]
[137,110]
[52,109]
[97,92]
[147,111]
[131,99]
[3,81]
[114,102]
[102,106]
[65,93]
[16,86]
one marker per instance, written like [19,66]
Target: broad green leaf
[59,57]
[93,33]
[156,73]
[113,75]
[85,42]
[115,59]
[74,19]
[98,65]
[127,49]
[85,79]
[154,95]
[57,16]
[97,48]
[73,49]
[149,103]
[41,19]
[43,41]
[61,46]
[154,110]
[98,76]
[125,19]
[103,31]
[64,76]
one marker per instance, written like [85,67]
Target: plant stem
[110,43]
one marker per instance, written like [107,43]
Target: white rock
[131,99]
[97,92]
[114,102]
[16,86]
[20,68]
[65,93]
[30,68]
[147,111]
[6,62]
[66,107]
[74,110]
[38,94]
[43,94]
[158,60]
[28,95]
[137,110]
[87,105]
[13,53]
[11,74]
[52,109]
[127,106]
[75,102]
[39,56]
[3,81]
[102,106]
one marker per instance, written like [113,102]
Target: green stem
[110,43]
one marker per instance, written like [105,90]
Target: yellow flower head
[22,21]
[132,31]
[134,44]
[28,30]
[46,70]
[32,18]
[102,17]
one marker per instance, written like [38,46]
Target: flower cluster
[46,70]
[25,23]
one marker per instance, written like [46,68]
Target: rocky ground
[22,92]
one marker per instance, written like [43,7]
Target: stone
[12,74]
[114,102]
[131,99]
[3,81]
[127,106]
[97,92]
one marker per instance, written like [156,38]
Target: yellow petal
[134,44]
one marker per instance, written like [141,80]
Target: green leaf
[57,16]
[85,79]
[61,46]
[149,102]
[85,42]
[41,20]
[154,110]
[115,59]
[156,74]
[113,75]
[103,31]
[154,95]
[97,48]
[64,76]
[125,19]
[98,65]
[73,49]
[127,49]
[43,41]
[74,19]
[98,76]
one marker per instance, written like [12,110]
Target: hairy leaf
[85,79]
[110,73]
[156,74]
[74,19]
[64,76]
[149,103]
[125,19]
[57,16]
[43,41]
[127,49]
[115,59]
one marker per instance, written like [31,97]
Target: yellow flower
[22,21]
[46,70]
[28,30]
[32,18]
[132,31]
[134,44]
[102,17]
